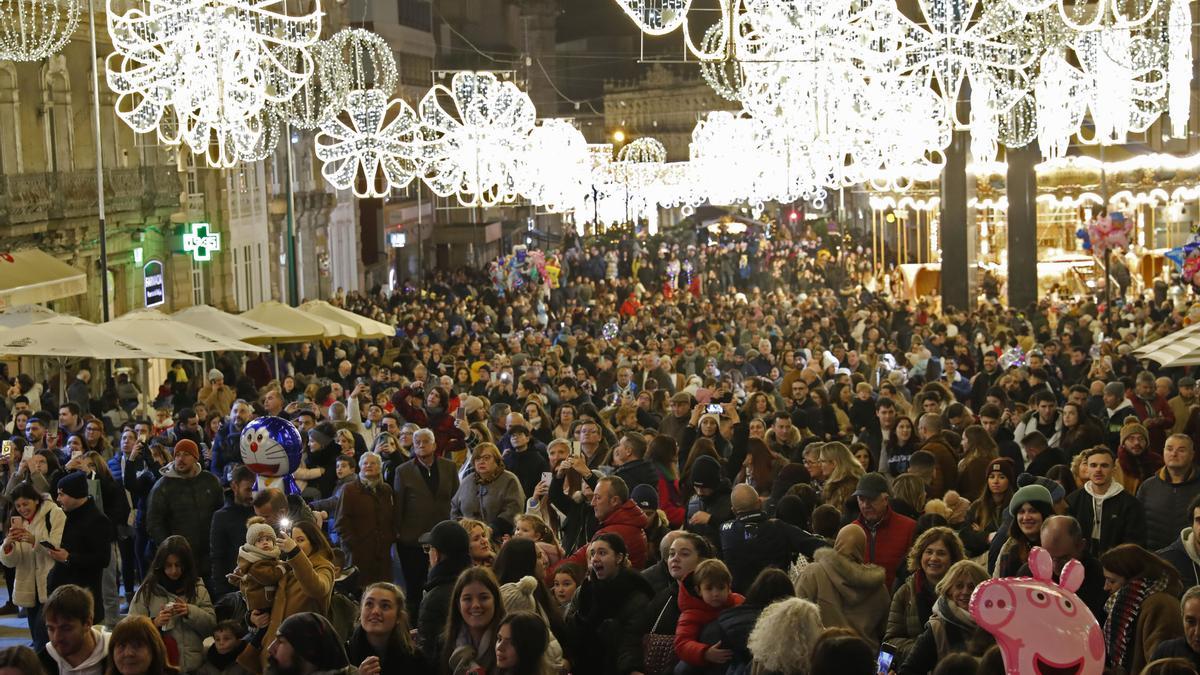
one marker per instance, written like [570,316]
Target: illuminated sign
[153,285]
[200,242]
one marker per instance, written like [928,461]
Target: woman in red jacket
[437,414]
[663,455]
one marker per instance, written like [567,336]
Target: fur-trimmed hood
[850,578]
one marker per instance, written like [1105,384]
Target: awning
[35,276]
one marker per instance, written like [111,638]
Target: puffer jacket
[909,611]
[188,630]
[602,619]
[1184,556]
[184,505]
[32,562]
[694,615]
[849,594]
[732,629]
[1165,505]
[628,522]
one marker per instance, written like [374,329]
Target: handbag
[658,649]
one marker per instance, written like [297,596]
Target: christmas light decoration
[200,72]
[370,147]
[555,171]
[31,30]
[471,151]
[360,59]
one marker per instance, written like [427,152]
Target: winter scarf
[1123,609]
[256,555]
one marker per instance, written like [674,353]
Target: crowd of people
[626,457]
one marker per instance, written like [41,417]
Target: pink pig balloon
[1042,628]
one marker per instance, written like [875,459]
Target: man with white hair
[364,521]
[422,491]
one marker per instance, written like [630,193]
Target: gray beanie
[258,531]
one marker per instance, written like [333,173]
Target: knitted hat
[706,472]
[645,496]
[1132,428]
[74,485]
[187,446]
[313,639]
[1005,466]
[258,531]
[518,596]
[1034,494]
[1055,488]
[320,436]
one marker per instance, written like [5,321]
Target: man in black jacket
[1063,539]
[628,460]
[86,542]
[751,542]
[228,531]
[449,554]
[1188,646]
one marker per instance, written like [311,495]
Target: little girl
[566,579]
[529,526]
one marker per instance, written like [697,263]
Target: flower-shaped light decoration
[1128,82]
[201,71]
[657,17]
[31,30]
[371,146]
[555,171]
[472,151]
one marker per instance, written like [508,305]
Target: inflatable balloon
[1013,356]
[271,447]
[1084,239]
[1109,232]
[1041,626]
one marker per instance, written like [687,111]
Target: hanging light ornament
[371,146]
[321,96]
[471,151]
[360,59]
[211,65]
[31,30]
[555,171]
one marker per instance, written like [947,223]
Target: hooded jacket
[434,611]
[87,538]
[694,615]
[1165,505]
[95,664]
[184,505]
[1184,555]
[849,594]
[629,522]
[1120,519]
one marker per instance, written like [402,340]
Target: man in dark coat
[1108,514]
[1063,539]
[751,542]
[228,531]
[86,542]
[449,554]
[183,502]
[1165,495]
[629,463]
[422,490]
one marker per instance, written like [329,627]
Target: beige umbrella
[367,329]
[23,315]
[1168,340]
[238,327]
[304,327]
[153,327]
[1181,352]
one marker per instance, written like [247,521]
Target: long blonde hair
[844,463]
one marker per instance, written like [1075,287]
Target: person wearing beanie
[1137,459]
[307,643]
[646,498]
[987,514]
[1107,512]
[449,554]
[259,570]
[183,502]
[85,549]
[319,469]
[216,395]
[1029,508]
[709,507]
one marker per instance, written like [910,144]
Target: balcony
[33,197]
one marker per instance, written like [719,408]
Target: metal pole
[420,241]
[292,297]
[104,308]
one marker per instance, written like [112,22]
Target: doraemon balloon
[271,448]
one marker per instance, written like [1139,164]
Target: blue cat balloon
[271,448]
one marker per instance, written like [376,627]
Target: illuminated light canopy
[370,147]
[201,242]
[200,72]
[473,136]
[555,172]
[31,30]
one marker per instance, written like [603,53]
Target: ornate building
[664,103]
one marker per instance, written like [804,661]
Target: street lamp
[618,136]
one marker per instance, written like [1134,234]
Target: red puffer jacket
[694,615]
[627,522]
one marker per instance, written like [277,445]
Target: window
[416,14]
[10,121]
[56,93]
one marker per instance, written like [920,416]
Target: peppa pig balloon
[271,448]
[1042,628]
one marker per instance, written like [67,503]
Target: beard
[273,668]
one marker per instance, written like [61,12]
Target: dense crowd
[619,457]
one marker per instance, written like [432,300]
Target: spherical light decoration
[213,64]
[360,60]
[321,97]
[657,17]
[471,150]
[555,171]
[31,30]
[371,146]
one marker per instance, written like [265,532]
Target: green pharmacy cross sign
[200,242]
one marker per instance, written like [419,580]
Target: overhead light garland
[370,147]
[31,30]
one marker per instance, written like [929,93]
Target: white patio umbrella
[238,327]
[304,326]
[65,337]
[1168,355]
[23,315]
[1168,340]
[366,329]
[151,326]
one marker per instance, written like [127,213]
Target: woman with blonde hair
[842,472]
[929,559]
[784,635]
[951,628]
[491,491]
[481,548]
